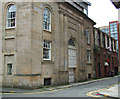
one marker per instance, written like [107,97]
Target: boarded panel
[71,75]
[72,58]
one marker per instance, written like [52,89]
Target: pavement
[109,92]
[113,92]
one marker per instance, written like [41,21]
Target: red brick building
[105,51]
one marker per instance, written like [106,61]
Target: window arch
[47,19]
[11,15]
[71,42]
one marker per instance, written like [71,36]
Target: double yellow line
[50,90]
[91,93]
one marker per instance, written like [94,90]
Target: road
[77,91]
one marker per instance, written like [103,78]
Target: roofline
[113,22]
[105,33]
[87,2]
[84,15]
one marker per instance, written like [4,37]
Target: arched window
[71,42]
[47,19]
[11,15]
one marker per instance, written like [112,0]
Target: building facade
[106,57]
[45,44]
[114,30]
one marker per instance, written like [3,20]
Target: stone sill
[89,63]
[47,31]
[9,53]
[72,67]
[10,28]
[88,43]
[27,74]
[47,62]
[9,37]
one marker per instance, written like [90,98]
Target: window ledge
[9,37]
[88,63]
[47,62]
[88,43]
[47,31]
[9,28]
[11,53]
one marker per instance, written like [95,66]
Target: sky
[102,12]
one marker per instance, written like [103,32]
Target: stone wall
[1,44]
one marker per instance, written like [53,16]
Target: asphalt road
[77,91]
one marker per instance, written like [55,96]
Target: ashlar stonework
[22,46]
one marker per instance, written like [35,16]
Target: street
[77,91]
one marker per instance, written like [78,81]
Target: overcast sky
[102,12]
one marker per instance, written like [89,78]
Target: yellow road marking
[91,93]
[51,90]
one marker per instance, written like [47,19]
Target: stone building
[45,43]
[106,56]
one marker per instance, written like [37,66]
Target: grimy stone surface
[0,45]
[23,45]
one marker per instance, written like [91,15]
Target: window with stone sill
[46,50]
[9,69]
[11,16]
[88,56]
[99,41]
[88,36]
[47,19]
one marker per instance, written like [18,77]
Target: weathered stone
[23,45]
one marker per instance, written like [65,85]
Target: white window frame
[47,19]
[47,43]
[11,15]
[88,56]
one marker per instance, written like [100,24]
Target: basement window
[9,69]
[89,76]
[47,81]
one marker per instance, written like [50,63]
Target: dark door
[105,71]
[116,70]
[99,70]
